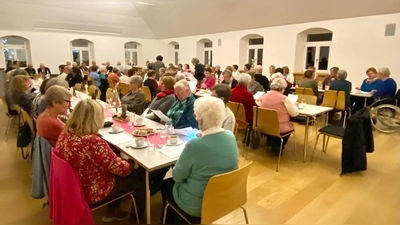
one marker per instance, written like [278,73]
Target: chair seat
[242,125]
[191,219]
[333,130]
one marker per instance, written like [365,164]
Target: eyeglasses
[67,101]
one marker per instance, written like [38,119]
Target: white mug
[115,127]
[139,121]
[173,139]
[139,141]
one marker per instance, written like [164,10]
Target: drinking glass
[169,128]
[303,102]
[163,139]
[150,140]
[130,123]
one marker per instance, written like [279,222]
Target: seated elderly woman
[275,99]
[388,87]
[228,79]
[240,94]
[163,100]
[309,82]
[223,92]
[19,88]
[200,160]
[135,98]
[370,83]
[95,75]
[38,99]
[58,101]
[181,112]
[103,175]
[42,104]
[254,86]
[151,82]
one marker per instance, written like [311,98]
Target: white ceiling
[176,18]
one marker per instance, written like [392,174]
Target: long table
[362,94]
[149,160]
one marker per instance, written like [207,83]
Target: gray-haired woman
[135,98]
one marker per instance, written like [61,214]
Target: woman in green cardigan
[215,152]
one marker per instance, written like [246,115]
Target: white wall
[358,43]
[53,49]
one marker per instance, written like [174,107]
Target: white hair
[103,68]
[276,75]
[244,79]
[179,77]
[278,84]
[342,74]
[74,64]
[258,69]
[210,110]
[183,84]
[385,71]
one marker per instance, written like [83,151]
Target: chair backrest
[266,121]
[304,91]
[147,93]
[235,130]
[36,76]
[224,193]
[24,117]
[110,93]
[111,84]
[330,97]
[78,87]
[124,88]
[238,110]
[310,99]
[341,101]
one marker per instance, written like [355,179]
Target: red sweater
[240,94]
[94,161]
[49,128]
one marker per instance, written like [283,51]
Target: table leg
[365,102]
[305,140]
[148,206]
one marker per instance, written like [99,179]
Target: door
[131,56]
[208,57]
[317,55]
[255,55]
[13,52]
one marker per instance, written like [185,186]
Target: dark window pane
[131,45]
[80,43]
[251,56]
[319,37]
[176,46]
[310,57]
[208,45]
[259,56]
[256,41]
[323,58]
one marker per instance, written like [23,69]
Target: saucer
[177,143]
[141,125]
[115,132]
[133,145]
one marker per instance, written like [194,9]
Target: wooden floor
[300,193]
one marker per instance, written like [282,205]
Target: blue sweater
[201,159]
[387,88]
[367,87]
[96,78]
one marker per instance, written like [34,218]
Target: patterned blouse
[94,161]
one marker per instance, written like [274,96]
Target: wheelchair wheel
[385,118]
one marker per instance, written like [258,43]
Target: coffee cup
[173,139]
[139,121]
[139,141]
[115,127]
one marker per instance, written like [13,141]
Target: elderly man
[181,112]
[119,66]
[158,65]
[263,80]
[199,69]
[43,70]
[30,70]
[228,79]
[341,84]
[109,67]
[135,98]
[68,63]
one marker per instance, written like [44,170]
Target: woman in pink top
[275,99]
[209,79]
[58,101]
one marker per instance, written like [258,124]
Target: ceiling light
[145,3]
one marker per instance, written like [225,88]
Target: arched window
[15,48]
[173,52]
[204,51]
[82,51]
[251,49]
[132,52]
[312,49]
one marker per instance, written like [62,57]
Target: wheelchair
[385,115]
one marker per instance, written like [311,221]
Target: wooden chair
[266,121]
[11,114]
[36,76]
[147,93]
[224,194]
[240,116]
[111,84]
[310,99]
[304,91]
[78,87]
[92,90]
[124,88]
[110,93]
[25,117]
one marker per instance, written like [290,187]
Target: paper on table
[188,131]
[118,138]
[258,94]
[172,152]
[161,115]
[293,98]
[192,85]
[74,102]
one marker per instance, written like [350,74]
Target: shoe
[115,214]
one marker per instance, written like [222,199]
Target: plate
[115,132]
[177,143]
[143,132]
[143,125]
[133,145]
